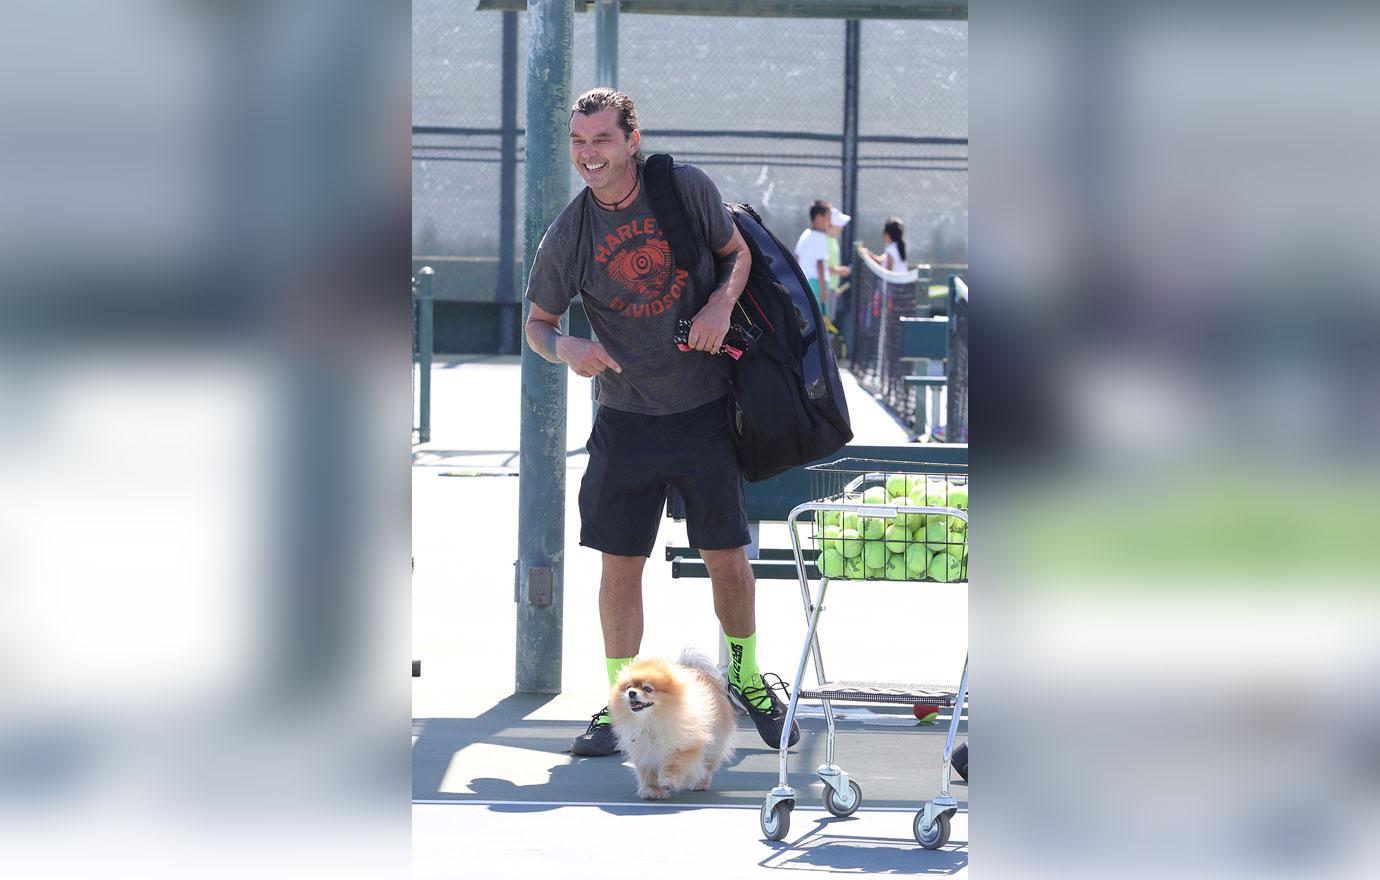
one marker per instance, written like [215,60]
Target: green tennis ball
[832,539]
[896,567]
[958,497]
[831,563]
[852,543]
[876,574]
[937,530]
[873,527]
[945,568]
[917,559]
[850,520]
[958,525]
[897,538]
[831,518]
[874,554]
[853,568]
[897,484]
[875,495]
[957,551]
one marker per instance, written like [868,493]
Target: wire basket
[847,542]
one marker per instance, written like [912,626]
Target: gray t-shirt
[620,264]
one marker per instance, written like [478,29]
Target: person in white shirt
[893,256]
[812,253]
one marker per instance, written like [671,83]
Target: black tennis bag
[787,406]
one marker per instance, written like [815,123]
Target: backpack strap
[670,213]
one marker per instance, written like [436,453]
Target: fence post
[540,575]
[606,43]
[424,351]
[506,293]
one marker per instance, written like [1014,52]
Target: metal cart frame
[842,795]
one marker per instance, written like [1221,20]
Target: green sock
[615,665]
[742,667]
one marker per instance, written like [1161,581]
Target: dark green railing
[422,347]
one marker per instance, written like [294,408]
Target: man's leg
[735,603]
[620,617]
[620,604]
[735,590]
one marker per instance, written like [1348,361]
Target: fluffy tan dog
[673,722]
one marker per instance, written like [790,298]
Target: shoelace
[594,719]
[764,690]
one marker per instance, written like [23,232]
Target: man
[662,417]
[812,253]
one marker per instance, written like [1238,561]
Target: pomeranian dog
[673,721]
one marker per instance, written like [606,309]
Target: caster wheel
[938,833]
[776,822]
[835,804]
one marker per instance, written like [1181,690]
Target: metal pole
[505,292]
[850,125]
[851,35]
[606,43]
[541,459]
[424,351]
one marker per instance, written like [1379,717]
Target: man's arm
[711,323]
[585,357]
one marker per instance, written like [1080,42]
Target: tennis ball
[873,527]
[936,530]
[917,559]
[875,495]
[832,538]
[853,568]
[897,484]
[876,574]
[831,518]
[852,543]
[850,520]
[896,538]
[945,568]
[874,554]
[958,525]
[958,497]
[831,563]
[925,712]
[896,567]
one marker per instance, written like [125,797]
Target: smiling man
[663,414]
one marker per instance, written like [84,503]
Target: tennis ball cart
[874,519]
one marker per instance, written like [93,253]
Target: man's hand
[710,325]
[586,357]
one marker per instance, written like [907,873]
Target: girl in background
[893,256]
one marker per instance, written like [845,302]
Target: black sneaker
[769,721]
[598,741]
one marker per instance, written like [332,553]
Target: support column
[849,197]
[541,460]
[505,291]
[606,43]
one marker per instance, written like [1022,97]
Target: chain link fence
[758,105]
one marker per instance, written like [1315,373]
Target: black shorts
[634,460]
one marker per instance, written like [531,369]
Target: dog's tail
[695,660]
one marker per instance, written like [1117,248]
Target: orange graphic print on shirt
[638,259]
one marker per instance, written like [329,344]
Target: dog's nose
[632,693]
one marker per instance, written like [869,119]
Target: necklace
[613,206]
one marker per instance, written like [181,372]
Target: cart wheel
[776,822]
[837,805]
[938,833]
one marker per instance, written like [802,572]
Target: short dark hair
[817,209]
[605,98]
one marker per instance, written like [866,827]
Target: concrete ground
[496,792]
